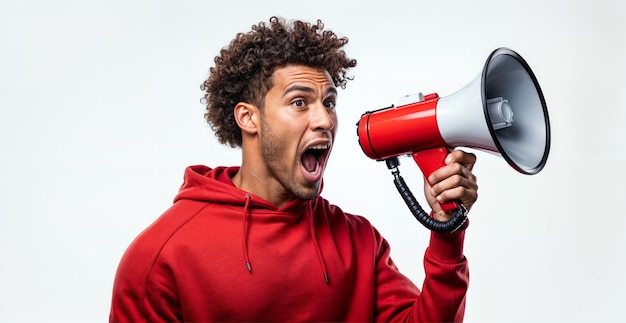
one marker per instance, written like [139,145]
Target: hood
[202,183]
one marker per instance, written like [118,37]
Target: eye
[300,103]
[330,104]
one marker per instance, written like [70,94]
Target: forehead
[289,75]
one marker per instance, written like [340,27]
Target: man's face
[298,126]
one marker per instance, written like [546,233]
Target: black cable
[418,212]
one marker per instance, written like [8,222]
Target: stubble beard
[273,150]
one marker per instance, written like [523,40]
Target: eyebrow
[307,89]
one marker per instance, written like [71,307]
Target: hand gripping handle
[418,212]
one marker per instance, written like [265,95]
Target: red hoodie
[223,254]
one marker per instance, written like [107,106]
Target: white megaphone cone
[502,111]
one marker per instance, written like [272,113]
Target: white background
[100,113]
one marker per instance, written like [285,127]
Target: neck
[258,183]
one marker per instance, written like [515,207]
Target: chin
[309,193]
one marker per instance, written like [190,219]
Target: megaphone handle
[431,160]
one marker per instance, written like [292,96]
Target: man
[258,242]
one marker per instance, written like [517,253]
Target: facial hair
[278,162]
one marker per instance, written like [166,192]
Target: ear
[247,117]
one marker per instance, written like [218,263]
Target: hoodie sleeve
[442,298]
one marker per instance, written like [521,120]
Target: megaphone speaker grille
[526,143]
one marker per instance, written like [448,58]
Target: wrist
[448,247]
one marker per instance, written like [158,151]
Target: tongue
[309,161]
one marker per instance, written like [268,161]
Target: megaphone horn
[502,111]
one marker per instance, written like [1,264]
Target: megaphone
[502,111]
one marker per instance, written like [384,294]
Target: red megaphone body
[502,111]
[383,134]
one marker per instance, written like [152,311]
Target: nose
[323,118]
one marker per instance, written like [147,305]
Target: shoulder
[139,273]
[335,214]
[145,248]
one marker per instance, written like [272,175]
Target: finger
[447,171]
[459,193]
[464,158]
[450,182]
[457,187]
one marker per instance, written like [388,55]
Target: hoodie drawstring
[245,233]
[320,258]
[309,212]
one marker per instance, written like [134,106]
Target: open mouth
[314,157]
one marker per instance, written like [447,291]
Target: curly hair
[243,69]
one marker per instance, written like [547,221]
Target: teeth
[324,146]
